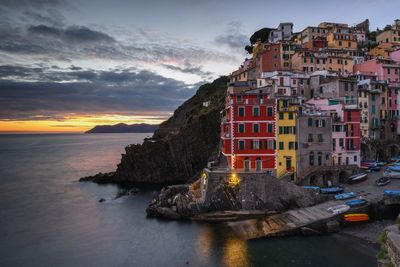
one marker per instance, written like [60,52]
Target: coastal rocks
[224,198]
[100,178]
[127,192]
[173,202]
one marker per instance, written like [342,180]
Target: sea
[48,218]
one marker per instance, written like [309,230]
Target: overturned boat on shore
[346,195]
[359,177]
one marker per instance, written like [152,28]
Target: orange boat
[356,217]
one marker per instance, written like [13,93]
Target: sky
[68,65]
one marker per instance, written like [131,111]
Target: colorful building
[248,130]
[286,136]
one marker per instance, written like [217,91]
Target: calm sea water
[47,218]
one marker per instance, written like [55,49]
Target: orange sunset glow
[75,124]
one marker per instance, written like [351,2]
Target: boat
[381,163]
[346,195]
[392,193]
[356,217]
[392,174]
[356,202]
[383,181]
[338,209]
[357,177]
[394,168]
[331,190]
[311,187]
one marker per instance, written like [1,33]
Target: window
[256,111]
[281,115]
[311,158]
[333,143]
[346,86]
[281,145]
[241,145]
[388,71]
[310,138]
[320,89]
[241,111]
[269,111]
[256,127]
[355,158]
[239,98]
[320,138]
[349,116]
[241,128]
[270,127]
[256,144]
[341,142]
[290,115]
[292,145]
[309,122]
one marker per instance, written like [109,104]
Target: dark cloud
[32,3]
[188,68]
[233,38]
[71,34]
[105,92]
[51,17]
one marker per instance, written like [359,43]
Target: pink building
[345,131]
[384,70]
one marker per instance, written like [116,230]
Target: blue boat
[311,187]
[394,168]
[331,190]
[392,193]
[356,202]
[346,195]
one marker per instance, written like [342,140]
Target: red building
[248,130]
[270,59]
[351,119]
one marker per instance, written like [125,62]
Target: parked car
[338,209]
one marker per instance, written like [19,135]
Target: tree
[261,35]
[249,49]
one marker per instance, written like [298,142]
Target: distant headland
[124,128]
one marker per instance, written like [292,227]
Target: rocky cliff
[181,146]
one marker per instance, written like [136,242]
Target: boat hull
[358,217]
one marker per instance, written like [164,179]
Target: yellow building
[382,50]
[389,36]
[286,136]
[342,37]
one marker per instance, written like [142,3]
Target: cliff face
[181,146]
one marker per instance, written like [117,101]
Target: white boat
[338,209]
[391,174]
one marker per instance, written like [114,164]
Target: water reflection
[234,251]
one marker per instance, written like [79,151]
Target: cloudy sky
[69,65]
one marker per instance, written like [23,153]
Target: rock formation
[182,145]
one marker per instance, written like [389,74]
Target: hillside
[181,146]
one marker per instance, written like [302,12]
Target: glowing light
[234,179]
